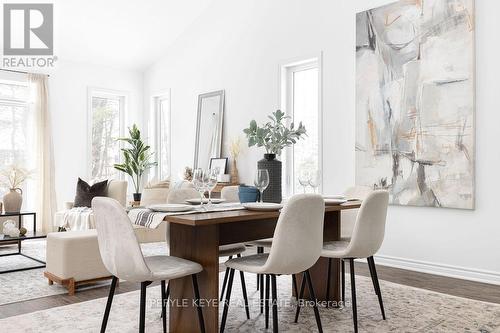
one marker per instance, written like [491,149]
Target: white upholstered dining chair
[298,239]
[348,216]
[123,258]
[179,196]
[367,237]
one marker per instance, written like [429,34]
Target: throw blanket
[146,217]
[78,218]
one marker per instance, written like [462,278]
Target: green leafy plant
[136,158]
[274,135]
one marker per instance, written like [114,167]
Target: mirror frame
[198,120]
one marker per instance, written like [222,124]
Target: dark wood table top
[211,218]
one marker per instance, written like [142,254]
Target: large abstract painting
[415,102]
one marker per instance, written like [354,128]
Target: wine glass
[304,178]
[199,183]
[315,180]
[261,182]
[211,177]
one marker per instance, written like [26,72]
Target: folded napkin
[146,217]
[223,207]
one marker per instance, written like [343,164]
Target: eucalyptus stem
[274,136]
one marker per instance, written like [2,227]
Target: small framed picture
[220,163]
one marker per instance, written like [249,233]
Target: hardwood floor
[456,287]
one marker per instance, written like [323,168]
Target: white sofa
[117,189]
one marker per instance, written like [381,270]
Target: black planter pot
[137,197]
[273,166]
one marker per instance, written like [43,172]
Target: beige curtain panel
[46,194]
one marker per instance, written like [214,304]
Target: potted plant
[11,178]
[274,136]
[136,159]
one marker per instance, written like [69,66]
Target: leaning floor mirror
[209,128]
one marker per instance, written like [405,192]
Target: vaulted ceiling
[120,33]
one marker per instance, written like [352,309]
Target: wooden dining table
[197,237]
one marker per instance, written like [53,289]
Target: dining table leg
[319,271]
[199,244]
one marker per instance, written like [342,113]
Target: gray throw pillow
[85,193]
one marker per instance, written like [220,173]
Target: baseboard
[440,269]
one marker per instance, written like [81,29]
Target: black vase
[273,166]
[137,197]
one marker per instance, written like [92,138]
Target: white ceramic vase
[13,200]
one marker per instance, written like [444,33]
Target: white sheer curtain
[44,172]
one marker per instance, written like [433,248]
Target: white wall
[238,46]
[68,84]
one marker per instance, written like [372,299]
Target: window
[17,132]
[301,101]
[162,114]
[106,119]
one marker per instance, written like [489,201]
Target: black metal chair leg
[328,277]
[224,283]
[261,290]
[315,300]
[301,295]
[294,283]
[164,306]
[376,285]
[226,302]
[275,303]
[244,290]
[353,292]
[267,301]
[108,304]
[142,309]
[260,249]
[371,275]
[343,280]
[197,303]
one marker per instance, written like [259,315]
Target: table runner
[151,219]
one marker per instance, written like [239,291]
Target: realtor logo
[28,29]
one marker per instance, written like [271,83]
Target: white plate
[335,196]
[205,200]
[262,206]
[331,202]
[170,208]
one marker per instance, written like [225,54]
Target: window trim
[106,93]
[155,102]
[285,98]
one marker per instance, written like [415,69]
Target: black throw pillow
[85,193]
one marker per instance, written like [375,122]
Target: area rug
[408,310]
[31,284]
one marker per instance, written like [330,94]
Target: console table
[29,235]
